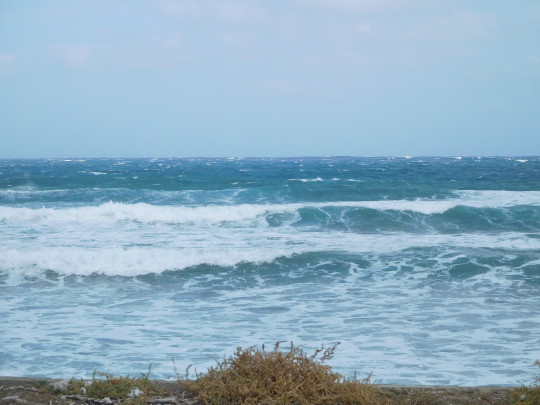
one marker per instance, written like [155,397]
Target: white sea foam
[498,198]
[126,262]
[226,249]
[402,329]
[147,213]
[307,180]
[140,212]
[131,239]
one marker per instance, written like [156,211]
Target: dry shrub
[109,386]
[256,376]
[529,395]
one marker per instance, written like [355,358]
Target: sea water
[427,270]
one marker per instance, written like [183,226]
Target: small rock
[60,385]
[76,397]
[106,400]
[523,397]
[13,400]
[169,400]
[135,392]
[190,402]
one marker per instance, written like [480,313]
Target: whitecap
[215,214]
[126,262]
[223,248]
[307,180]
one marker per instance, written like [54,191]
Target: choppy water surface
[426,269]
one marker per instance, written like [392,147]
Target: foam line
[136,260]
[142,212]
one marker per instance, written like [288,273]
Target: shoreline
[27,390]
[7,381]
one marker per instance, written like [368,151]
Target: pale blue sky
[133,78]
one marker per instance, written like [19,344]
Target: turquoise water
[427,270]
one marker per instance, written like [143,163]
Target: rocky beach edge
[48,391]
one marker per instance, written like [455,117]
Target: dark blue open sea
[427,270]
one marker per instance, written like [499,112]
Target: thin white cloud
[159,51]
[462,25]
[357,5]
[73,55]
[534,12]
[279,86]
[222,11]
[237,39]
[6,58]
[363,28]
[6,61]
[174,42]
[239,12]
[189,8]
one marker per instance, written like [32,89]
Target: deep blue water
[426,269]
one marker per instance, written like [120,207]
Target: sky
[188,78]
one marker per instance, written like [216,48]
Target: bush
[529,395]
[116,387]
[256,376]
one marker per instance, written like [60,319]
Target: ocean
[427,270]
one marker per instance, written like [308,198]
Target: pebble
[190,402]
[162,401]
[77,397]
[523,397]
[13,400]
[135,392]
[60,385]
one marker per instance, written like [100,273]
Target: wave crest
[127,262]
[147,213]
